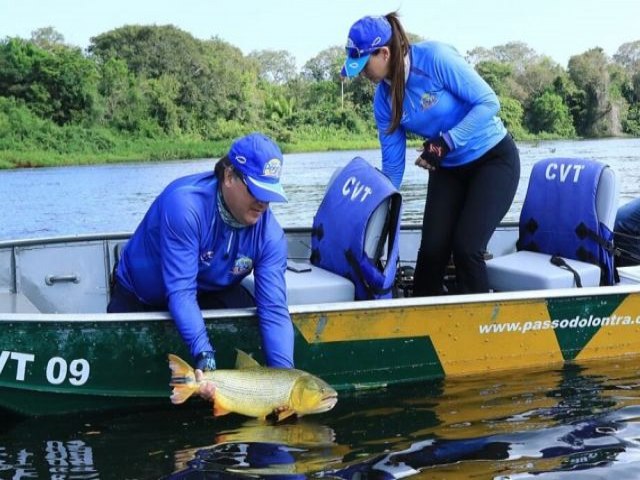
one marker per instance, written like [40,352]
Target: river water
[573,422]
[107,198]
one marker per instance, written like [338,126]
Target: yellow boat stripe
[454,331]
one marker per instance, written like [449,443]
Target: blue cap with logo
[259,160]
[365,37]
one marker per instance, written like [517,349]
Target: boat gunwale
[367,305]
[109,236]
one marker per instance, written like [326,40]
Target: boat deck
[16,303]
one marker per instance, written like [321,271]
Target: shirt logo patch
[242,266]
[428,100]
[205,257]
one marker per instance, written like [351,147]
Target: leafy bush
[549,114]
[632,123]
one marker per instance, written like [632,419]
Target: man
[201,236]
[627,234]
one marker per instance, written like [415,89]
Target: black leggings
[463,208]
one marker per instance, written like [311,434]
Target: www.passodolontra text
[576,322]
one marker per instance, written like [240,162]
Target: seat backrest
[377,230]
[569,210]
[358,216]
[607,197]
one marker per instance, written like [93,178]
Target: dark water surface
[576,422]
[573,422]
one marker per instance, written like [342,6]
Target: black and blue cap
[259,160]
[365,37]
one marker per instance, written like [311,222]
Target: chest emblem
[242,266]
[205,257]
[427,100]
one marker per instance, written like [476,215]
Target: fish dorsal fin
[244,360]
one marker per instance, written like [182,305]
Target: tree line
[153,92]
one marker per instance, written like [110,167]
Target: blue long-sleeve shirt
[443,95]
[183,246]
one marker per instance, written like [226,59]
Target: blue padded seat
[531,270]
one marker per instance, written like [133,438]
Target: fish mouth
[327,403]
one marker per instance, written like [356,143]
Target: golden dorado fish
[253,390]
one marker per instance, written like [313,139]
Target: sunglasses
[243,178]
[353,52]
[238,174]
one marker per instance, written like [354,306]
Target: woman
[473,163]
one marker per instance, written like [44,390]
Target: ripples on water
[108,198]
[574,422]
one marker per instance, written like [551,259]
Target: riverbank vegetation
[152,93]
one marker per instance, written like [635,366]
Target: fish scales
[247,386]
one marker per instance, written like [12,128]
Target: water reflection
[580,444]
[257,448]
[580,420]
[71,460]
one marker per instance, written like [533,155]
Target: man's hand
[433,151]
[205,362]
[207,389]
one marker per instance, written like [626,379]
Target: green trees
[628,58]
[275,66]
[590,74]
[58,84]
[594,97]
[549,114]
[156,92]
[188,85]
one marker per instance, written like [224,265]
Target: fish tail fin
[183,380]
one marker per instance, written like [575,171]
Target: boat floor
[16,303]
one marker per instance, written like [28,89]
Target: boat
[60,352]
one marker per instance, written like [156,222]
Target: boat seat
[526,270]
[356,228]
[308,284]
[305,283]
[377,231]
[531,270]
[375,237]
[629,274]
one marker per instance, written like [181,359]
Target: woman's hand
[433,151]
[422,163]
